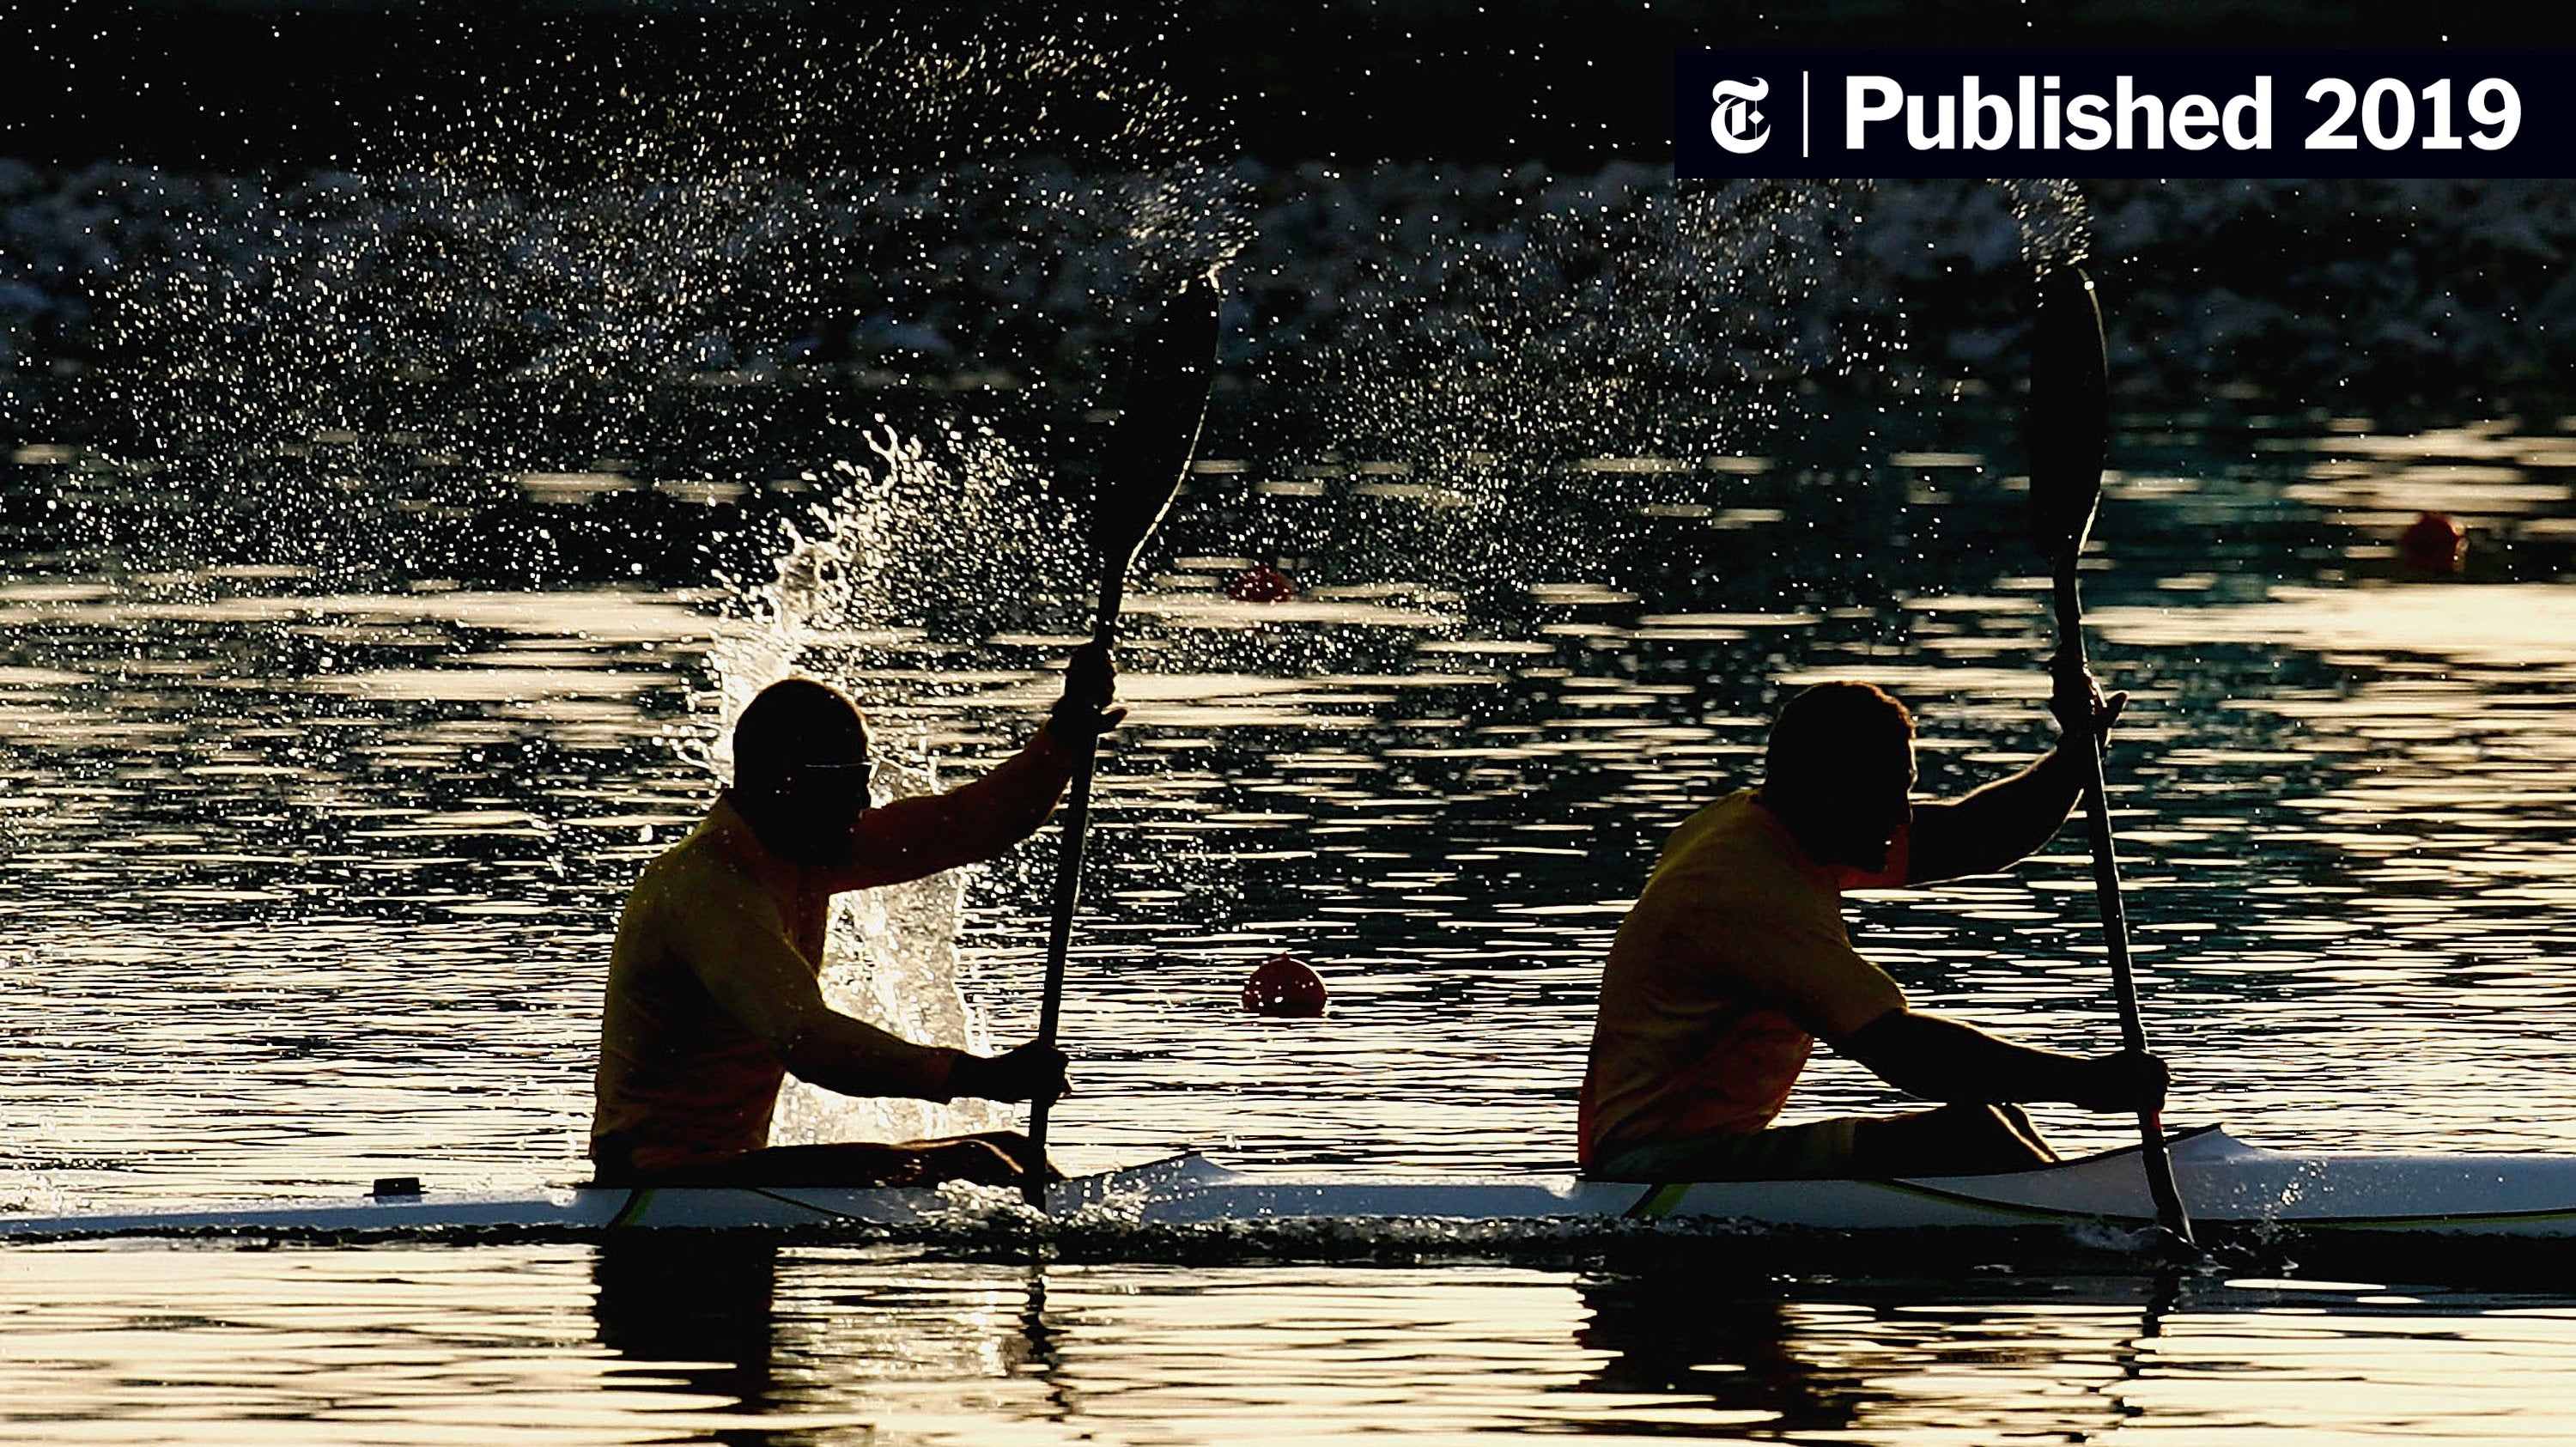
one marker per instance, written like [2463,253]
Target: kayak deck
[2224,1182]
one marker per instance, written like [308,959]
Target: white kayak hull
[2226,1184]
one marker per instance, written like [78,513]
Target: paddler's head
[801,770]
[1840,772]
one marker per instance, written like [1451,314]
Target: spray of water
[2056,224]
[917,551]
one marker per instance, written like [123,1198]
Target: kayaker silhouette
[713,997]
[1734,962]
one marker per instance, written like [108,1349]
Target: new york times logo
[1735,124]
[2223,113]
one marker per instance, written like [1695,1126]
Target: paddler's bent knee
[1955,1140]
[2017,1120]
[1015,1145]
[980,1162]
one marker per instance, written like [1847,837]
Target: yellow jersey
[720,937]
[1724,974]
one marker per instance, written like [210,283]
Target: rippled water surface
[311,862]
[756,1344]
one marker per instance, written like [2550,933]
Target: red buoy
[2433,543]
[1261,583]
[1285,986]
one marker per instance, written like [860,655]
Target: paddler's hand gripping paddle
[2066,429]
[1149,452]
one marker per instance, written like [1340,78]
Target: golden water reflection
[755,1342]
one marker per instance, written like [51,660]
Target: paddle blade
[2069,414]
[1158,425]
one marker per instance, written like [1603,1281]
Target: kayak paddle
[1149,451]
[2066,428]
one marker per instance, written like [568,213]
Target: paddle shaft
[1068,891]
[1158,430]
[2115,923]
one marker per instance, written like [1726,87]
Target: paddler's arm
[920,836]
[756,976]
[1987,830]
[1799,961]
[912,838]
[1939,1058]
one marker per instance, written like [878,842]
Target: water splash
[923,549]
[891,960]
[2056,223]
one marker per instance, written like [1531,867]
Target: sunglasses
[850,779]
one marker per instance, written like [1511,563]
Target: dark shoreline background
[188,136]
[234,84]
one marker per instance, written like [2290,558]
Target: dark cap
[1826,730]
[795,723]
